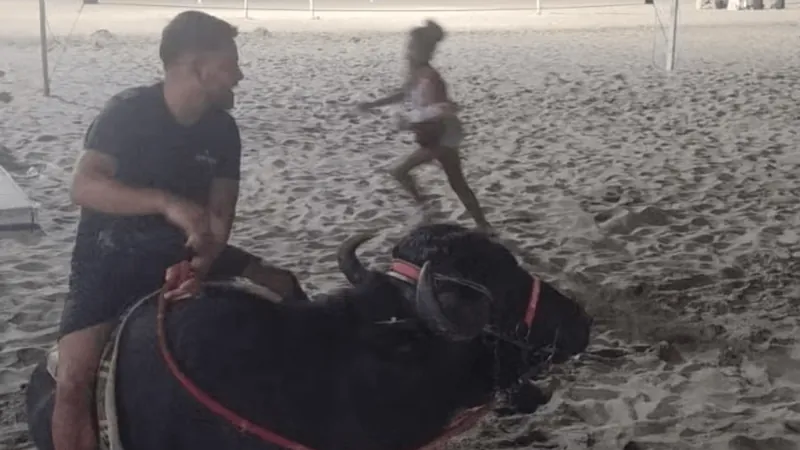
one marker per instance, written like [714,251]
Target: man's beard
[226,100]
[223,100]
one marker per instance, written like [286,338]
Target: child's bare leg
[451,163]
[402,171]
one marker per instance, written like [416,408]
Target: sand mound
[667,204]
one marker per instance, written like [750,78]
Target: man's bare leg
[451,163]
[78,359]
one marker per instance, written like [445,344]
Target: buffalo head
[464,284]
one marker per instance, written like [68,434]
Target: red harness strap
[411,273]
[461,423]
[206,400]
[533,303]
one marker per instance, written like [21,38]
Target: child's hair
[429,35]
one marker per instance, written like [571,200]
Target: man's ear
[193,62]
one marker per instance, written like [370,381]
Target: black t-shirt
[152,150]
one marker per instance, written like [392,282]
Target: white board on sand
[17,212]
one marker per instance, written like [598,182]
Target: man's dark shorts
[103,286]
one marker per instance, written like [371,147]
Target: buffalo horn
[430,310]
[349,264]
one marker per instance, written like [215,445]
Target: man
[160,174]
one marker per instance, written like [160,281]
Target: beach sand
[668,204]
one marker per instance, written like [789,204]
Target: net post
[539,7]
[43,47]
[673,35]
[311,9]
[246,6]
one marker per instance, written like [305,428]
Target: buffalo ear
[452,308]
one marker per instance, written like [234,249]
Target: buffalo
[387,363]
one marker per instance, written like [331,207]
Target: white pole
[246,9]
[539,7]
[311,9]
[43,46]
[673,36]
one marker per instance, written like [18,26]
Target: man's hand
[201,263]
[193,220]
[183,279]
[220,231]
[180,282]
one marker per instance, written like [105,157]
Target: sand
[667,203]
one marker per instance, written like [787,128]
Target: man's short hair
[194,31]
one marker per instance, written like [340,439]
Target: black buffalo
[384,364]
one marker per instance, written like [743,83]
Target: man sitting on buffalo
[160,173]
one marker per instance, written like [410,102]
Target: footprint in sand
[27,357]
[24,318]
[33,267]
[772,443]
[627,221]
[9,162]
[11,378]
